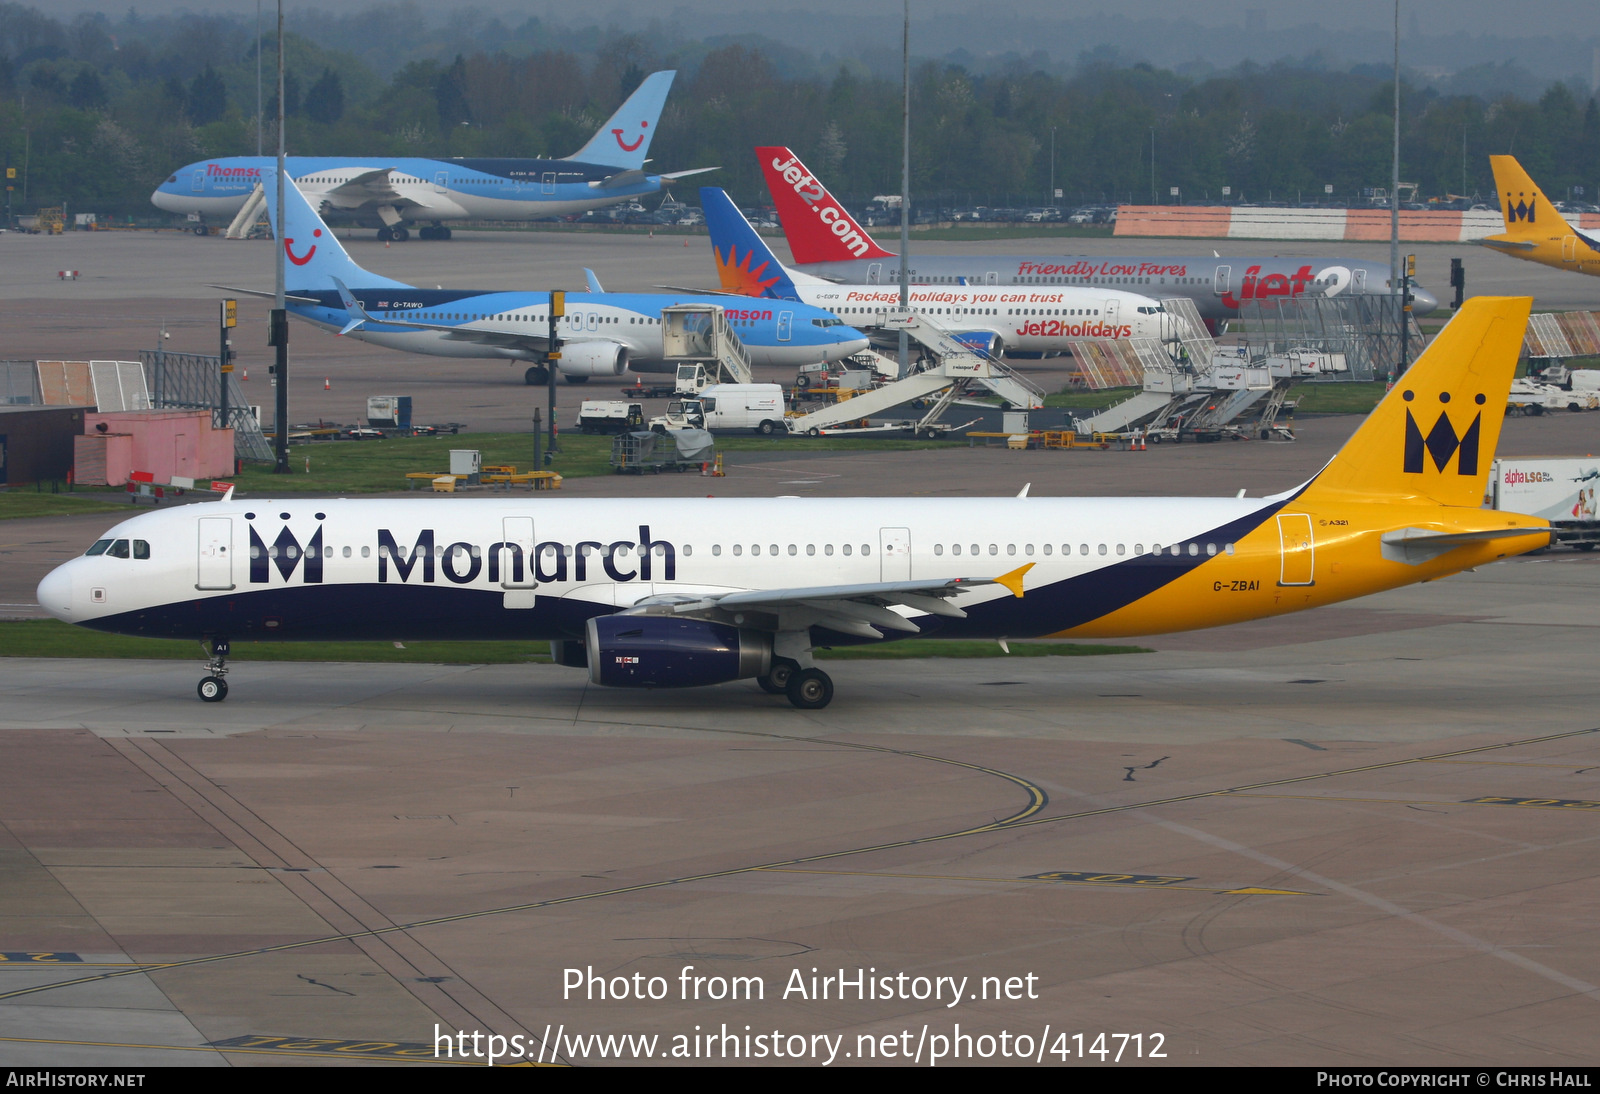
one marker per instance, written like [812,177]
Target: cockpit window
[141,548]
[98,547]
[119,549]
[173,178]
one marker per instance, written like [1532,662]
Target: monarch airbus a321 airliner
[671,592]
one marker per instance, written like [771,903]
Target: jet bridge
[948,367]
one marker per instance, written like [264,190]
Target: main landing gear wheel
[776,682]
[810,689]
[213,689]
[536,377]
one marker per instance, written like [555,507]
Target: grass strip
[374,466]
[16,504]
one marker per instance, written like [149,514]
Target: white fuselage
[306,569]
[771,334]
[1042,320]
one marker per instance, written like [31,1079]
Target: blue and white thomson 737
[602,334]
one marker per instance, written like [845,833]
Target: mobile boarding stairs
[949,368]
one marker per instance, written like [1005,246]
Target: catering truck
[1561,490]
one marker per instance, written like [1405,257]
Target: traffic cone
[246,376]
[327,384]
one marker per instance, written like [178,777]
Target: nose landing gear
[214,688]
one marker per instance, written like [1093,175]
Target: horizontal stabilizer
[1420,537]
[1417,545]
[620,179]
[266,294]
[675,175]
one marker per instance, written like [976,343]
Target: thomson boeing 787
[674,592]
[394,191]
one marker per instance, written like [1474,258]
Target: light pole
[258,79]
[905,191]
[1394,194]
[1052,166]
[1153,163]
[280,314]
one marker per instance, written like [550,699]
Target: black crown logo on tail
[1522,210]
[1442,442]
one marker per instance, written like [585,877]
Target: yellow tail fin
[1525,208]
[1433,436]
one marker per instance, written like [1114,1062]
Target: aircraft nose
[162,200]
[55,593]
[849,347]
[1422,301]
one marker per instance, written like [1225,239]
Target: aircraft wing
[862,610]
[374,185]
[476,335]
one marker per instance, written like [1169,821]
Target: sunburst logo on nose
[738,276]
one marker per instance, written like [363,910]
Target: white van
[722,407]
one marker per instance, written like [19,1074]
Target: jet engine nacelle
[593,359]
[652,651]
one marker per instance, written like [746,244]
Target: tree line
[98,113]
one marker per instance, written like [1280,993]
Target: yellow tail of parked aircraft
[1401,502]
[1534,229]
